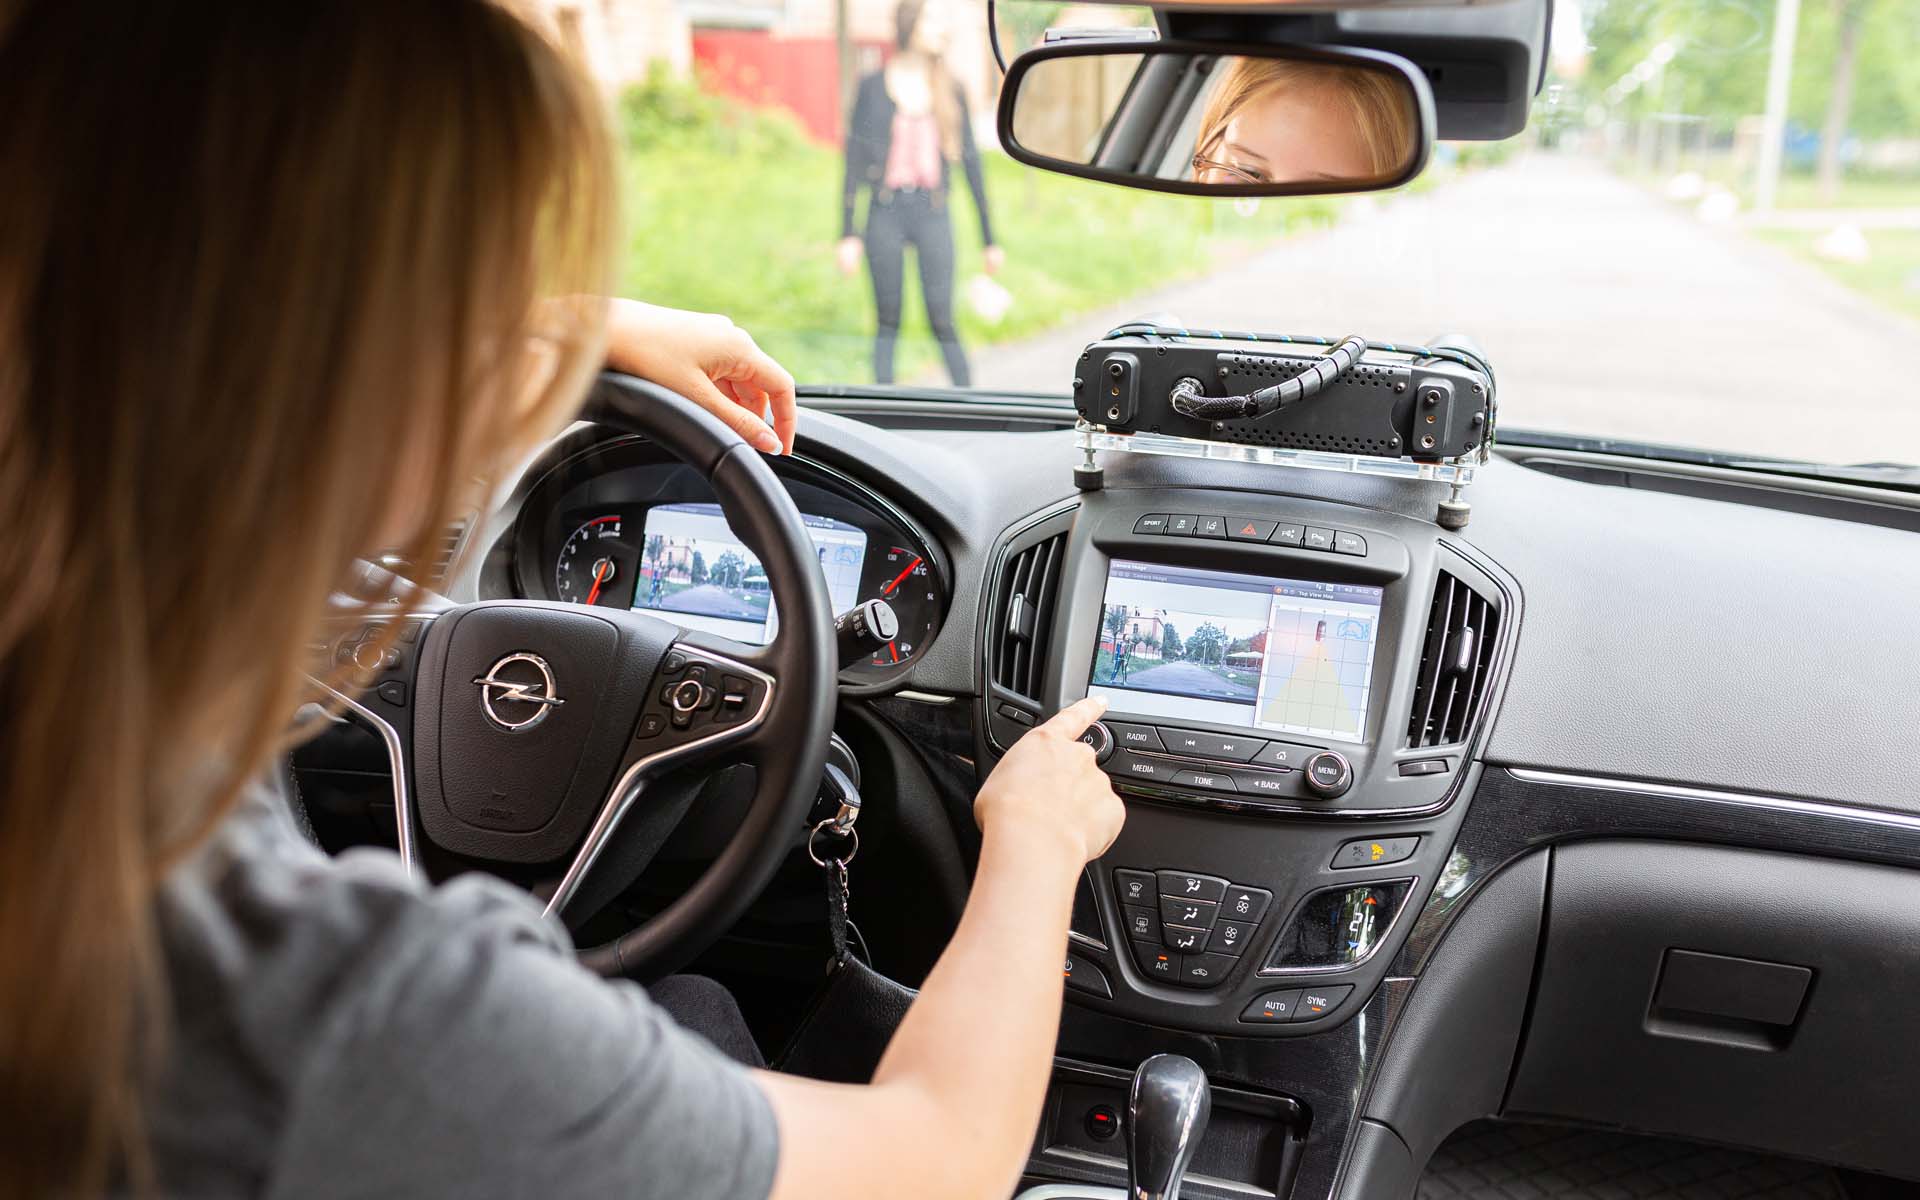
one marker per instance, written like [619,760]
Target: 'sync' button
[1272,1008]
[1316,1002]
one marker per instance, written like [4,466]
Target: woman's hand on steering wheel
[709,360]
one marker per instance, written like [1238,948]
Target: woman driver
[277,288]
[1271,120]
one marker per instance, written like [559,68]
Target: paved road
[1188,680]
[711,600]
[1605,310]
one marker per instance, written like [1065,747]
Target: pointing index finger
[1072,721]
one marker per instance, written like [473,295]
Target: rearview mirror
[1210,120]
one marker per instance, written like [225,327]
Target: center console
[1295,688]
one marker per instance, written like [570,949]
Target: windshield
[1707,237]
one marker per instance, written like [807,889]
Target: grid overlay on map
[1318,672]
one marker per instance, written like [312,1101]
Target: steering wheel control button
[1210,527]
[1100,738]
[1287,535]
[1186,885]
[1318,1002]
[1245,904]
[1083,976]
[1272,1008]
[394,692]
[1135,737]
[1142,923]
[1246,529]
[1283,754]
[1349,543]
[1329,774]
[1318,539]
[1206,970]
[673,662]
[1151,523]
[651,725]
[686,696]
[1368,852]
[1134,887]
[1196,913]
[1424,766]
[1156,961]
[1230,937]
[1180,524]
[1205,781]
[1187,941]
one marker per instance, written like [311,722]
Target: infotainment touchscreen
[1287,655]
[697,574]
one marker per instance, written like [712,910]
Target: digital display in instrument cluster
[1288,655]
[696,573]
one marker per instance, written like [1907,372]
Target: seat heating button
[1246,904]
[1135,737]
[1369,852]
[1156,961]
[1083,976]
[1318,538]
[1143,924]
[1134,887]
[1206,970]
[1230,937]
[1318,1002]
[1272,1008]
[1206,781]
[1187,941]
[1151,523]
[1186,885]
[1197,913]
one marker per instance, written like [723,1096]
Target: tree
[697,571]
[729,570]
[1169,642]
[1207,644]
[1833,129]
[1116,621]
[656,546]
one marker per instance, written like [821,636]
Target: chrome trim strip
[397,769]
[923,697]
[626,790]
[1091,943]
[1413,900]
[1816,808]
[1072,1191]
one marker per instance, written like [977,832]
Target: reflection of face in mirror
[1270,120]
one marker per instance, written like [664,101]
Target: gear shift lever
[1167,1112]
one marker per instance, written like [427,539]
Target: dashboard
[616,523]
[1423,825]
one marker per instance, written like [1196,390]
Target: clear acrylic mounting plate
[1093,437]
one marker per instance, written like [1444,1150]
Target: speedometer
[596,564]
[910,589]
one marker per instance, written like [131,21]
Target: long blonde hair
[1379,108]
[271,298]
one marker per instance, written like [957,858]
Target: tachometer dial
[596,565]
[909,588]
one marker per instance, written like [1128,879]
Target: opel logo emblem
[517,692]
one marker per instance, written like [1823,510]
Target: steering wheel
[537,727]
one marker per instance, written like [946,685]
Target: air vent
[444,555]
[1455,664]
[1024,603]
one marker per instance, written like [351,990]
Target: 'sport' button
[1151,523]
[1272,1008]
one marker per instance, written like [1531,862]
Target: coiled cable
[1188,400]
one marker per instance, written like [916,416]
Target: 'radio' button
[1135,737]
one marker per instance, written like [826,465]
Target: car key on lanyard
[841,842]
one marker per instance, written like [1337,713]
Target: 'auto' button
[1272,1008]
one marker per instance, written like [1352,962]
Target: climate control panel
[1187,928]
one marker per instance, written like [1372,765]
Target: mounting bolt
[1114,369]
[1477,389]
[1430,397]
[1399,385]
[1078,383]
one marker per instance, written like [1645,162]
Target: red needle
[894,652]
[888,590]
[600,574]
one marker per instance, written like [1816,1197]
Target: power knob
[1100,738]
[1329,774]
